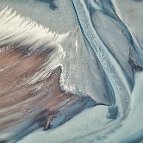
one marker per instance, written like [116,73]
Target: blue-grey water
[100,51]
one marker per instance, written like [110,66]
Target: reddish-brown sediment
[40,102]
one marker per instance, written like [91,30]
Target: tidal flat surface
[71,71]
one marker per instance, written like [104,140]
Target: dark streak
[134,66]
[3,141]
[51,3]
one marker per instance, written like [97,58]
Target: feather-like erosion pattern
[30,69]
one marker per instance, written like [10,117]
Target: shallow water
[100,54]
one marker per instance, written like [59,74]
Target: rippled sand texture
[60,57]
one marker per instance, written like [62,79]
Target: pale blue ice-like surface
[100,57]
